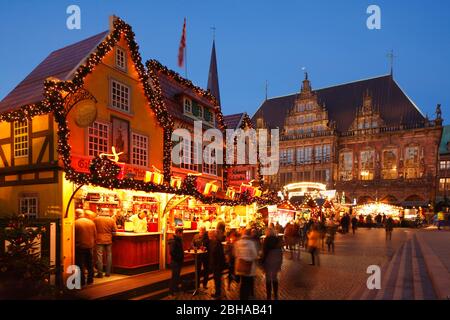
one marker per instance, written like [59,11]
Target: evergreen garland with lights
[54,101]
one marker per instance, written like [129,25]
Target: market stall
[373,209]
[136,243]
[283,213]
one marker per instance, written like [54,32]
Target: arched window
[346,165]
[389,166]
[412,162]
[367,165]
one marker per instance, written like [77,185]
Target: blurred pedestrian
[272,260]
[440,219]
[330,235]
[354,224]
[279,228]
[369,221]
[322,228]
[201,241]
[389,227]
[313,244]
[378,220]
[246,254]
[216,261]
[177,258]
[85,236]
[289,238]
[229,254]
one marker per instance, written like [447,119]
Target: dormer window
[121,59]
[208,115]
[187,104]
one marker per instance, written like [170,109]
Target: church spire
[213,77]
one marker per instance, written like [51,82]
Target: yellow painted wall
[65,191]
[5,130]
[142,119]
[39,124]
[48,194]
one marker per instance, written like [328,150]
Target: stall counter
[135,252]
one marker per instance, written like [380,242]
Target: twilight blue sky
[256,40]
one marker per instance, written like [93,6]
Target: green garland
[53,101]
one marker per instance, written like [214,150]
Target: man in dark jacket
[177,256]
[201,241]
[354,224]
[216,261]
[272,260]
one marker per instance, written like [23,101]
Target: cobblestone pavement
[338,275]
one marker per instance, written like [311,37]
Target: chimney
[112,19]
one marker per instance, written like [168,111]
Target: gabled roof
[444,147]
[233,121]
[173,86]
[342,101]
[59,64]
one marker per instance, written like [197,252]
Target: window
[98,139]
[20,139]
[300,155]
[140,150]
[121,59]
[287,156]
[367,165]
[120,96]
[389,166]
[208,115]
[346,166]
[445,165]
[28,205]
[442,184]
[209,163]
[285,178]
[187,103]
[200,112]
[412,162]
[290,156]
[327,153]
[308,154]
[197,110]
[187,155]
[318,153]
[307,176]
[283,157]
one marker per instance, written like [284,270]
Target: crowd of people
[243,251]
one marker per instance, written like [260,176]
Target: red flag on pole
[182,46]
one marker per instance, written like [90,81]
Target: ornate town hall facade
[366,139]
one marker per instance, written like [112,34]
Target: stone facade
[371,159]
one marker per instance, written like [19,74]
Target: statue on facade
[438,112]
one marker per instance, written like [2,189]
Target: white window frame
[120,105]
[187,158]
[139,149]
[96,151]
[122,65]
[31,205]
[21,139]
[207,168]
[187,105]
[200,112]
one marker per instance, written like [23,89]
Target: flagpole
[185,54]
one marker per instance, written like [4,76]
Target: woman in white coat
[246,255]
